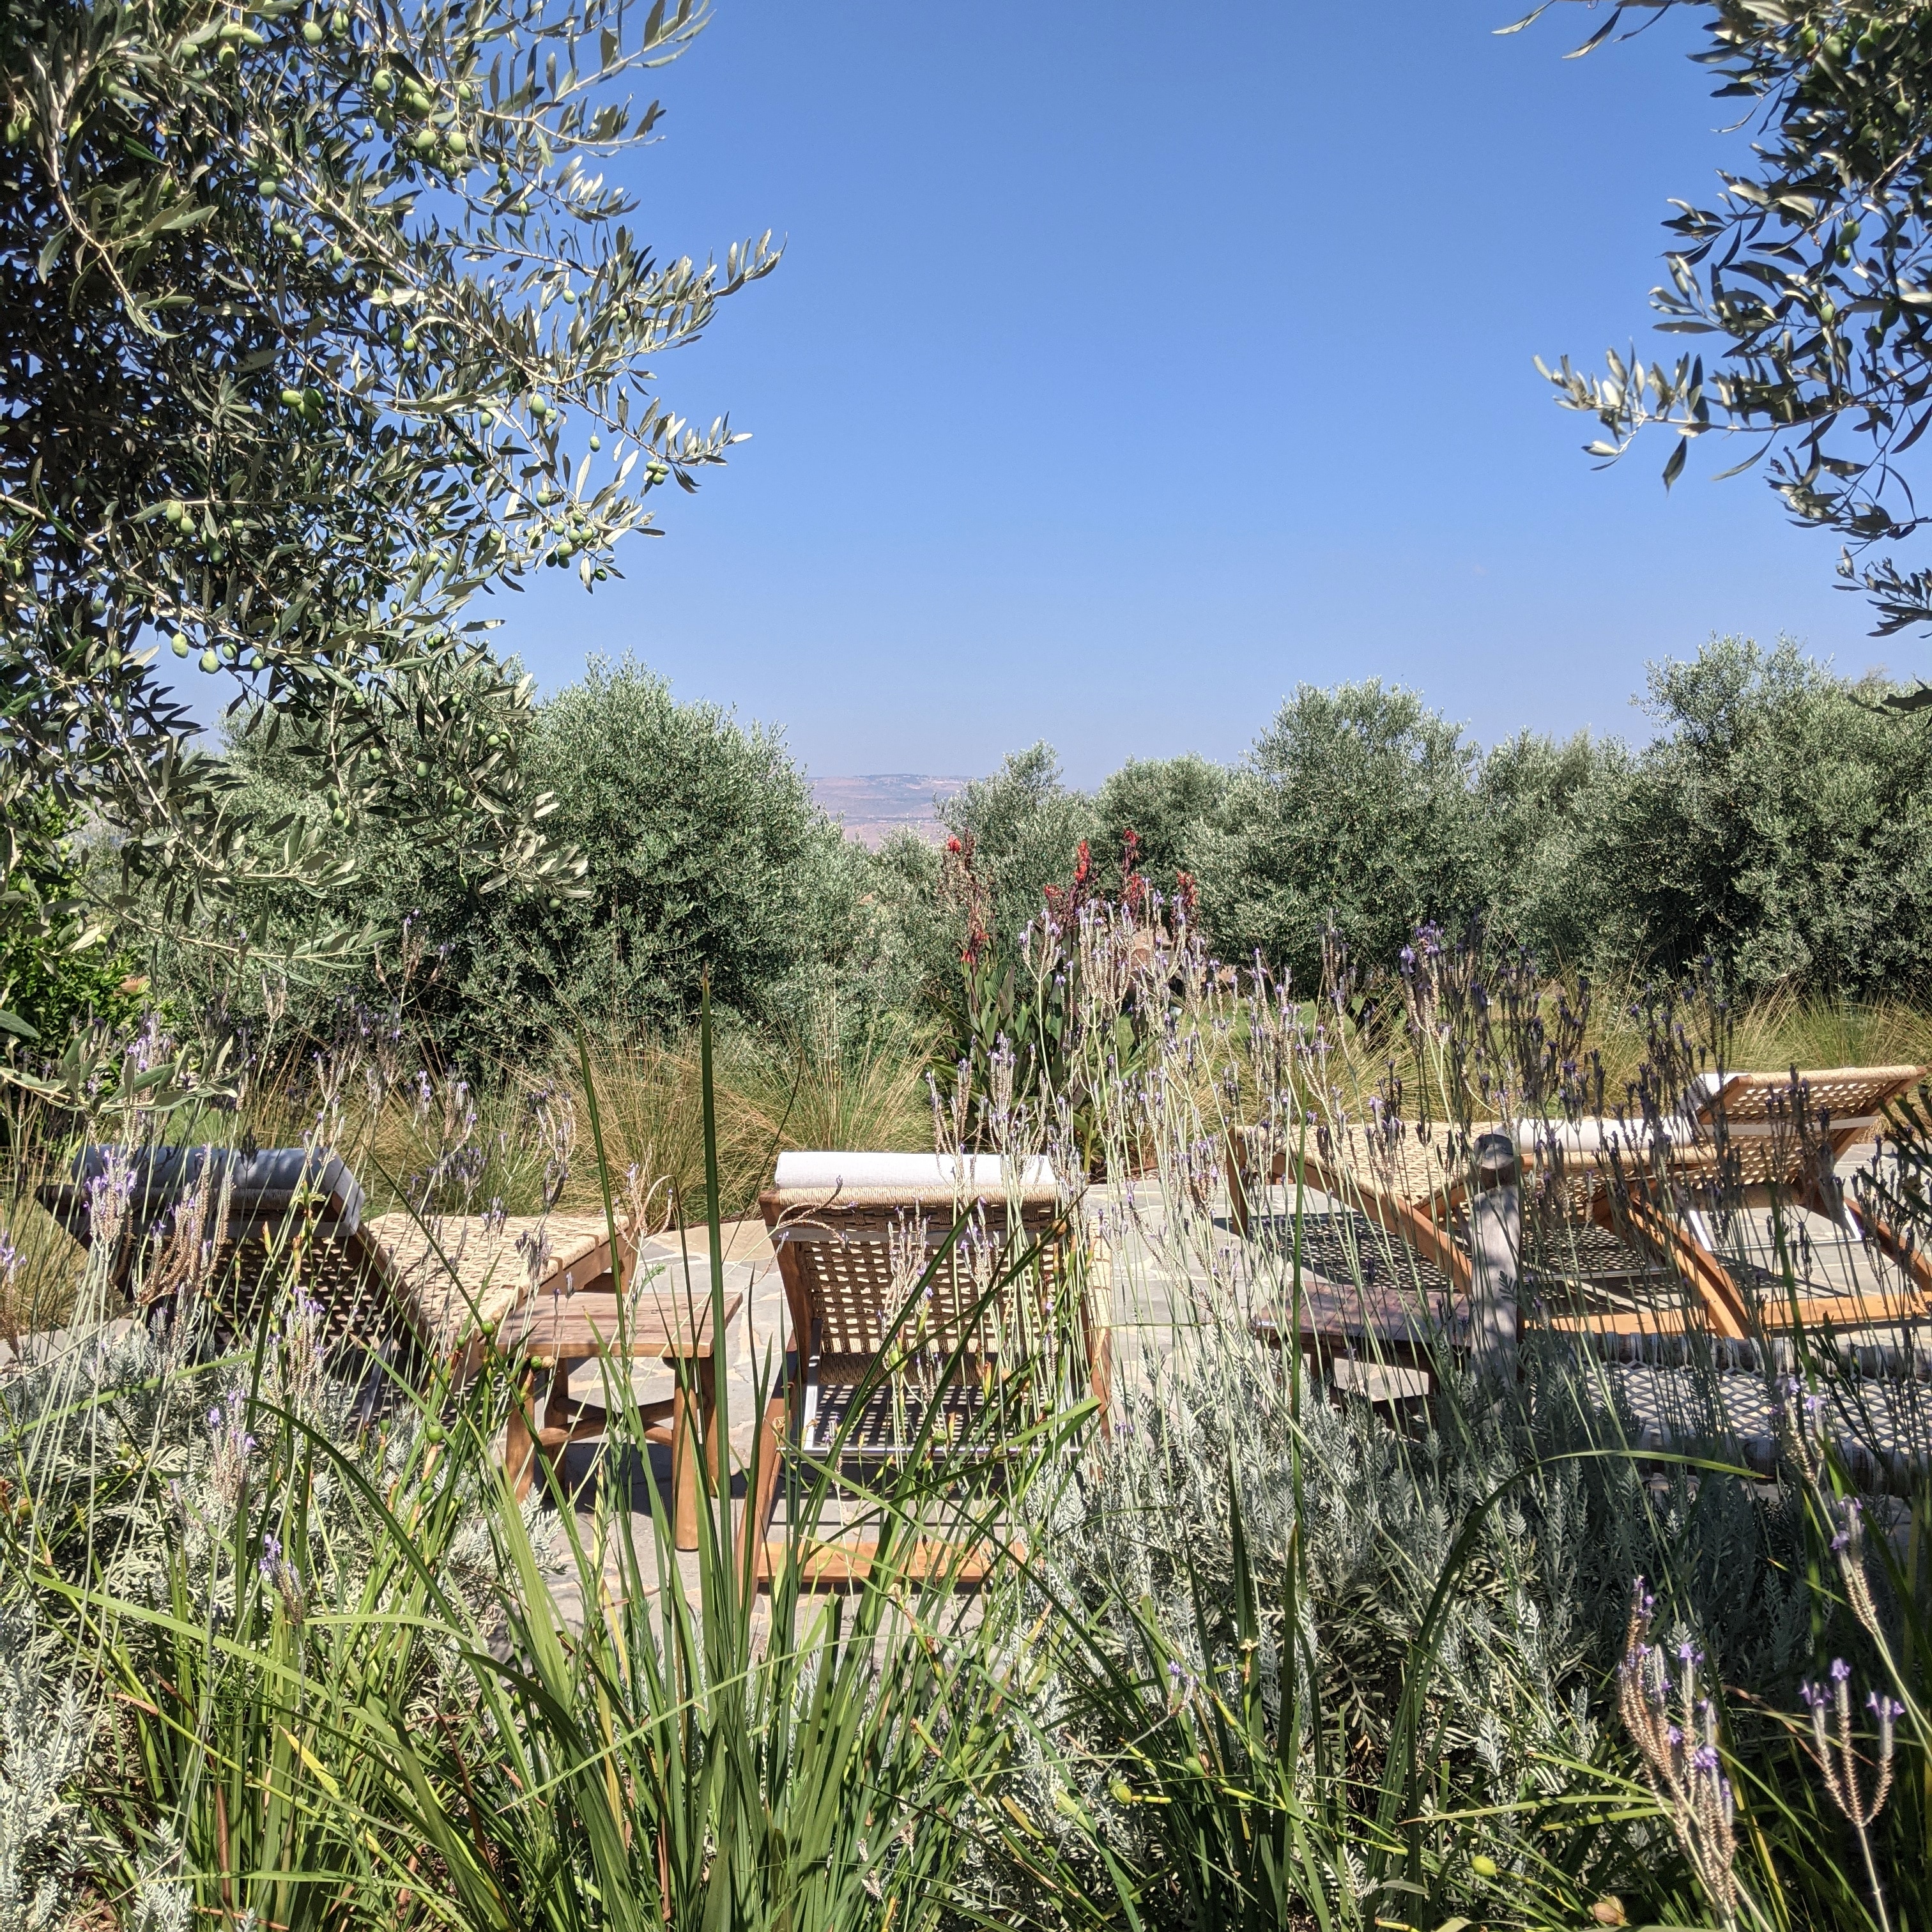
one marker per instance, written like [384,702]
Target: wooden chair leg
[687,1432]
[764,1485]
[1911,1259]
[520,1459]
[1239,1214]
[557,1403]
[1724,1307]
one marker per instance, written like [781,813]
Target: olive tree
[317,318]
[1353,813]
[1810,273]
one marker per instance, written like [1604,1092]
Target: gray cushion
[264,1183]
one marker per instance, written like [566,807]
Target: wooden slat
[835,1566]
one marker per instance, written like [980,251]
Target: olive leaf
[1812,272]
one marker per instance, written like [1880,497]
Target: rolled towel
[265,1181]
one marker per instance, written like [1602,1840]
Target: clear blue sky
[1130,364]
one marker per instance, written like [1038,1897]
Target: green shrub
[56,966]
[1023,826]
[1168,803]
[1026,826]
[706,854]
[1532,792]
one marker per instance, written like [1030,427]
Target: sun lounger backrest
[287,1214]
[851,1262]
[1849,1101]
[267,1183]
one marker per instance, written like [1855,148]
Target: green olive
[209,661]
[181,645]
[312,33]
[457,144]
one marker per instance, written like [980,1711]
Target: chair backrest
[156,1181]
[852,1254]
[240,1227]
[1849,1102]
[247,1228]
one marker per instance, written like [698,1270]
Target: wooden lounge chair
[405,1293]
[237,1230]
[1739,1141]
[1408,1183]
[885,1365]
[1651,1190]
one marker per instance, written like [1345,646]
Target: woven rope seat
[460,1273]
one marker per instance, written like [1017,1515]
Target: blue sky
[1130,364]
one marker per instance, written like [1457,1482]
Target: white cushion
[1597,1135]
[912,1170]
[1704,1089]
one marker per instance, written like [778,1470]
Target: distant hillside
[880,803]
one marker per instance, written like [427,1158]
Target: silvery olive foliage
[1812,270]
[316,320]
